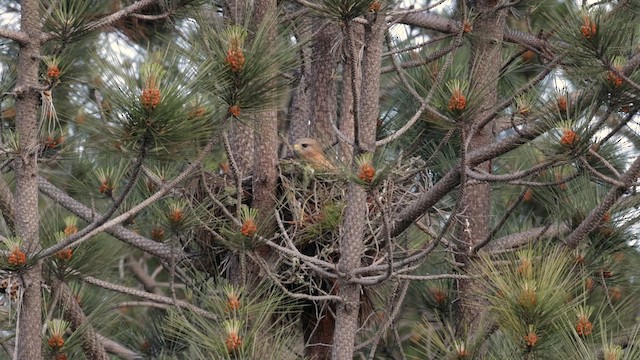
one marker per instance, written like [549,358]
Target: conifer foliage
[160,194]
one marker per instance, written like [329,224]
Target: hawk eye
[304,145]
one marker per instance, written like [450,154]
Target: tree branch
[119,232]
[110,19]
[438,23]
[595,217]
[18,36]
[73,313]
[145,295]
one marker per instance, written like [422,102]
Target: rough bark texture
[241,135]
[313,109]
[299,108]
[266,146]
[29,338]
[486,51]
[346,122]
[322,85]
[241,138]
[351,241]
[73,313]
[351,248]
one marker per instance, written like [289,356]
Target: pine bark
[351,241]
[266,146]
[299,109]
[322,85]
[485,63]
[29,338]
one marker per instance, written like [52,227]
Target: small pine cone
[233,342]
[175,216]
[614,80]
[197,112]
[234,110]
[235,59]
[17,257]
[526,267]
[588,28]
[528,195]
[375,6]
[157,234]
[528,56]
[65,254]
[150,98]
[439,296]
[367,172]
[55,342]
[562,103]
[589,283]
[249,228]
[584,326]
[462,353]
[53,72]
[457,102]
[233,303]
[225,168]
[146,346]
[105,188]
[531,339]
[467,27]
[569,137]
[615,293]
[50,143]
[61,356]
[70,230]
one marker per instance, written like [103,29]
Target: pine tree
[321,180]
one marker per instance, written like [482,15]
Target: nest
[309,213]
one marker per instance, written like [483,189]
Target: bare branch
[118,349]
[482,176]
[119,232]
[434,277]
[136,209]
[73,313]
[145,295]
[514,241]
[595,217]
[127,11]
[452,178]
[438,23]
[18,36]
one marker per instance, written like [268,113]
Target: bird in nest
[311,152]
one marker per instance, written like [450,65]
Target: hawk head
[311,151]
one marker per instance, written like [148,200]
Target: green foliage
[240,65]
[257,326]
[154,110]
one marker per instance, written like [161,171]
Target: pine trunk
[29,335]
[476,196]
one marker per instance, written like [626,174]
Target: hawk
[311,151]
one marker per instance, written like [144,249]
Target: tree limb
[73,313]
[119,232]
[17,36]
